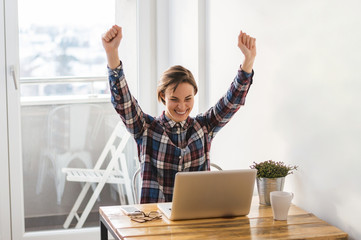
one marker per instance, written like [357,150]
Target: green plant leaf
[272,169]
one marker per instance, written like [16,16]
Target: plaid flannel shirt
[166,147]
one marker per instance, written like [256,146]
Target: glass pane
[61,55]
[63,38]
[66,136]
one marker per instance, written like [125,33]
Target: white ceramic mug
[281,202]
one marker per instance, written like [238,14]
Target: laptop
[210,194]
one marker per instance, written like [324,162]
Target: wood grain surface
[258,224]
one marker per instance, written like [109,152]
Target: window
[62,71]
[38,202]
[60,47]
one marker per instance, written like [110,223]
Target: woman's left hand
[247,44]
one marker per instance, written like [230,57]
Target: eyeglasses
[145,217]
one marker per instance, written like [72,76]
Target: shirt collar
[171,123]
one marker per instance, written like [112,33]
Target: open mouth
[180,113]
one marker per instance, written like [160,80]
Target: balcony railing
[61,90]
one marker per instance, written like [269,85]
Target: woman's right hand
[111,41]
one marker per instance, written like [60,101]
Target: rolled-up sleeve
[124,103]
[221,113]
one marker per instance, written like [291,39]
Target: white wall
[304,106]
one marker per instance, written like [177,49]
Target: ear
[162,96]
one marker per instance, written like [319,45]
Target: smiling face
[176,90]
[178,102]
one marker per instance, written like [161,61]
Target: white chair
[72,132]
[116,172]
[213,165]
[135,186]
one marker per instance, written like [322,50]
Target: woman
[174,141]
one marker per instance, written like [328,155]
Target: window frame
[12,224]
[5,216]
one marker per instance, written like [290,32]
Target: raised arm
[124,103]
[221,113]
[111,41]
[247,44]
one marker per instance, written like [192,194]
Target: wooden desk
[259,224]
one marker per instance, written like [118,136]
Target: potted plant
[270,177]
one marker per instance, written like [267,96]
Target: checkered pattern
[166,147]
